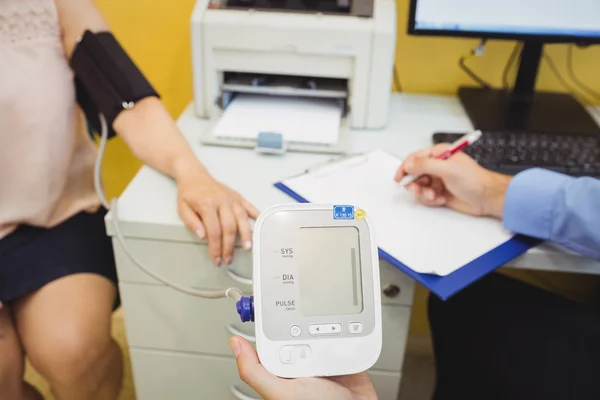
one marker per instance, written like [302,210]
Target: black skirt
[32,257]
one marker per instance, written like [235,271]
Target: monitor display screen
[569,19]
[330,271]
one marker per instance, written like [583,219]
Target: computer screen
[569,20]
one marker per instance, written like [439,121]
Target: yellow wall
[156,34]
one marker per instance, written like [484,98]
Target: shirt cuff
[529,200]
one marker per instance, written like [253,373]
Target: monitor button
[295,331]
[355,327]
[299,353]
[286,354]
[325,329]
[302,353]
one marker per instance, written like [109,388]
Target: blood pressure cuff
[106,79]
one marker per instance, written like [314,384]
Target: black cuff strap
[106,79]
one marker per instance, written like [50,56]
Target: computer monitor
[535,22]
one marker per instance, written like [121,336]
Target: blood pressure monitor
[317,305]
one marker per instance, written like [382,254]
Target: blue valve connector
[245,307]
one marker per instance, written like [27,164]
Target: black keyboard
[513,152]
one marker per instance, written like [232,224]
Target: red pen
[455,147]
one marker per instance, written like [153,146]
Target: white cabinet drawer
[158,317]
[182,263]
[189,264]
[162,375]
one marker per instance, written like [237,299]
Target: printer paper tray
[342,146]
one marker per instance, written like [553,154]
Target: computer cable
[570,70]
[580,97]
[476,51]
[557,73]
[397,83]
[509,64]
[245,305]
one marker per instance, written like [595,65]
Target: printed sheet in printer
[298,119]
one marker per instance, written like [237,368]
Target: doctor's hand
[214,212]
[457,182]
[271,387]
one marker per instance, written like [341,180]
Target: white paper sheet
[298,119]
[427,240]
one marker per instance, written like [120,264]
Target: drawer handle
[234,331]
[240,279]
[239,395]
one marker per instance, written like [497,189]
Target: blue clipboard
[446,286]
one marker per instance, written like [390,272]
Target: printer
[339,51]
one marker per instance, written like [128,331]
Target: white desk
[179,343]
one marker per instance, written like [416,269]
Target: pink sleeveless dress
[51,222]
[46,155]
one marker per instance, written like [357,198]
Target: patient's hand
[457,182]
[271,387]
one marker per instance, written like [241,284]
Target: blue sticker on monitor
[343,212]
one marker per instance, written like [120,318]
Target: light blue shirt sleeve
[555,207]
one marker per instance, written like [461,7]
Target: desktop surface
[148,206]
